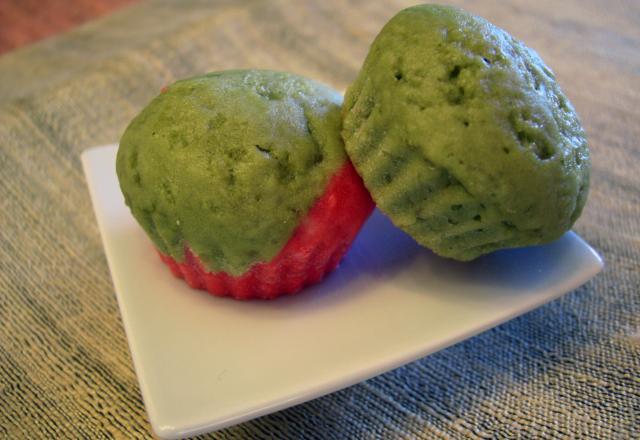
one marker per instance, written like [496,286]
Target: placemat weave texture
[570,369]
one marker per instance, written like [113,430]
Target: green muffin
[463,137]
[228,164]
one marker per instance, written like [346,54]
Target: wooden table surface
[25,21]
[567,370]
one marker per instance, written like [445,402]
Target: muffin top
[228,164]
[463,136]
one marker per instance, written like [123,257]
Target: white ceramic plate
[205,363]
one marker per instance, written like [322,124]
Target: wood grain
[25,21]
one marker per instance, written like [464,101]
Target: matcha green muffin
[233,176]
[463,137]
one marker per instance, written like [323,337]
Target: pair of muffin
[253,184]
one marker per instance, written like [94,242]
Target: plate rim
[326,387]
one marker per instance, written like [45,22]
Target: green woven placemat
[570,369]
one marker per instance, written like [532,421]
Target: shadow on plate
[384,253]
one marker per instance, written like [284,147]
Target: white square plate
[205,362]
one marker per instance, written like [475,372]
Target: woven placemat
[570,369]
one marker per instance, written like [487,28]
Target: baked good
[463,136]
[241,181]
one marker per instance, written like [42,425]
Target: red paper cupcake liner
[315,249]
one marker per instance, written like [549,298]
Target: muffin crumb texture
[463,136]
[227,164]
